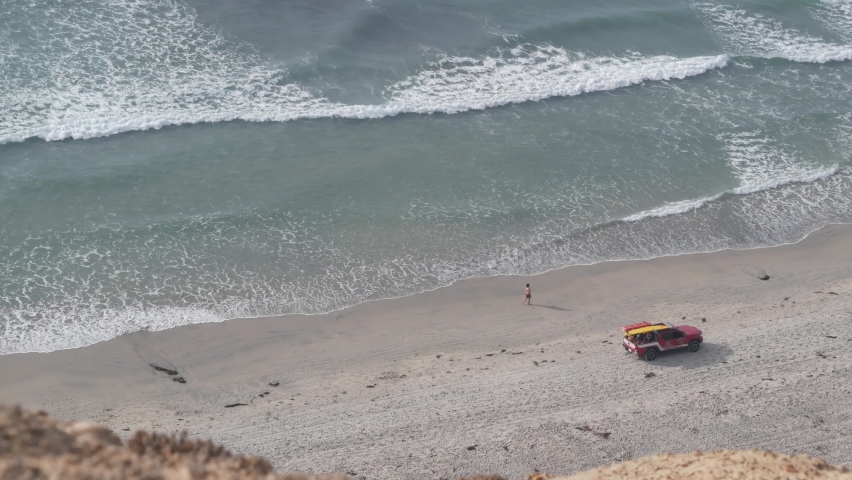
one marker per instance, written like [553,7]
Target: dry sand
[466,380]
[35,446]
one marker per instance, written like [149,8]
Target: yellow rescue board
[651,328]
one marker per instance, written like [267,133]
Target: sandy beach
[466,380]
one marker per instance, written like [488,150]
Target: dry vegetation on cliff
[716,465]
[35,446]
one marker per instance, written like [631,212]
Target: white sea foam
[672,208]
[756,35]
[761,165]
[149,64]
[74,328]
[758,164]
[530,73]
[836,15]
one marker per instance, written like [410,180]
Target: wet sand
[467,380]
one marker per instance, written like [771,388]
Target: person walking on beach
[528,299]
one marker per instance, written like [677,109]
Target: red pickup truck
[647,340]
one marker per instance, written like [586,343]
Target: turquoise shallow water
[169,162]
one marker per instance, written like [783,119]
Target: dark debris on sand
[165,370]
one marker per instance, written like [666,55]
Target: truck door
[679,339]
[667,340]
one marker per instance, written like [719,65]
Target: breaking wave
[758,164]
[746,34]
[531,73]
[146,65]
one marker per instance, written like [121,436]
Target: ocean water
[165,162]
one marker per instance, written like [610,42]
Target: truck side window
[678,334]
[667,335]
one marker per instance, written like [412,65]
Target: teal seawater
[167,162]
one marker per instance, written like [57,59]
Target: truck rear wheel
[694,346]
[650,355]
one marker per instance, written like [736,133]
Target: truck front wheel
[650,355]
[694,346]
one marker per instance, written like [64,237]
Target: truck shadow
[709,354]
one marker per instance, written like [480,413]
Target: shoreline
[455,282]
[428,375]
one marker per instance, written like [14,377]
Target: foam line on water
[672,208]
[758,164]
[753,34]
[531,72]
[145,65]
